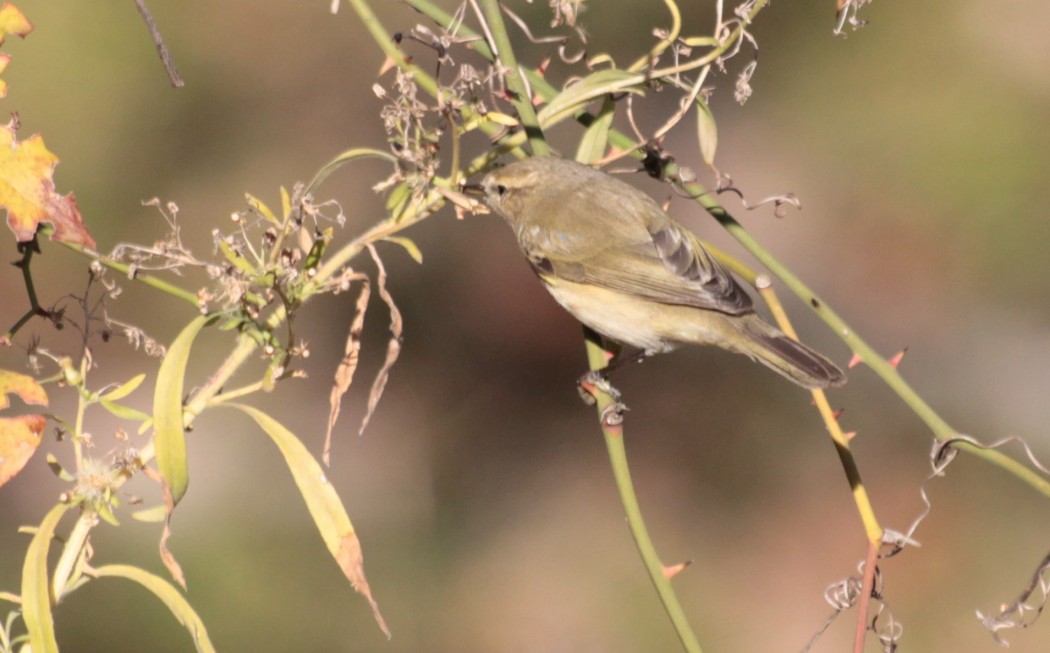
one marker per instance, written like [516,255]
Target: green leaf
[58,470]
[706,131]
[260,207]
[595,85]
[342,159]
[286,202]
[323,503]
[397,201]
[169,438]
[153,515]
[124,390]
[36,592]
[317,249]
[596,139]
[409,246]
[171,597]
[235,258]
[124,412]
[105,512]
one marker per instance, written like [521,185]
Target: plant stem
[143,278]
[614,436]
[849,464]
[519,93]
[385,41]
[882,367]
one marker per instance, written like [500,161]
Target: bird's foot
[613,414]
[593,382]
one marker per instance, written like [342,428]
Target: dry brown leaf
[393,347]
[166,555]
[344,374]
[352,562]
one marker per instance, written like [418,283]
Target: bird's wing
[663,263]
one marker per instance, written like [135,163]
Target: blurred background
[481,491]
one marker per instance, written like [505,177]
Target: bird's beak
[473,189]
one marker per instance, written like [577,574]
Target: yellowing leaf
[20,435]
[27,191]
[12,21]
[58,470]
[124,389]
[706,131]
[170,439]
[502,119]
[409,246]
[153,515]
[36,594]
[19,438]
[26,387]
[259,206]
[171,597]
[323,503]
[4,60]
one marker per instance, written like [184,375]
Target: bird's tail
[788,357]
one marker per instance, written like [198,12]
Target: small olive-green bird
[619,264]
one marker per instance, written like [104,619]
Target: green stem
[820,400]
[889,374]
[614,442]
[666,42]
[882,367]
[149,280]
[515,84]
[385,41]
[618,459]
[715,53]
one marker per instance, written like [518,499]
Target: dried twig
[162,49]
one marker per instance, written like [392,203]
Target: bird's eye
[501,190]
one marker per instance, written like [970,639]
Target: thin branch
[154,282]
[522,100]
[610,418]
[849,464]
[162,49]
[867,590]
[880,365]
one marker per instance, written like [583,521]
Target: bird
[626,269]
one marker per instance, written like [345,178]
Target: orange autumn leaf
[12,21]
[20,435]
[27,191]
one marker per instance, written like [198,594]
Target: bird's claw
[612,415]
[585,395]
[592,383]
